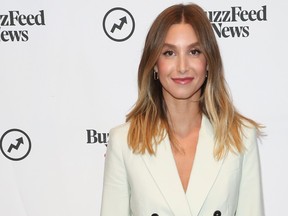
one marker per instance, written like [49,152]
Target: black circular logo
[118,24]
[15,144]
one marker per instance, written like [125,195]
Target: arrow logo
[113,24]
[7,144]
[12,146]
[123,21]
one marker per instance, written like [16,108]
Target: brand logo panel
[14,25]
[15,144]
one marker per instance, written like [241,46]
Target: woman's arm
[250,195]
[115,197]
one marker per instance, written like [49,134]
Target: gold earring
[155,75]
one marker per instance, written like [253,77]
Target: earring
[155,75]
[206,74]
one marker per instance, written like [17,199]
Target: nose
[182,63]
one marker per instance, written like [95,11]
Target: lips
[183,81]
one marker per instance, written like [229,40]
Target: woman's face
[181,66]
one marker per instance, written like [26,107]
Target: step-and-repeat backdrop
[68,71]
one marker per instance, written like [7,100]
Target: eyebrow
[174,46]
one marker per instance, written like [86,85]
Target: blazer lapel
[163,169]
[205,168]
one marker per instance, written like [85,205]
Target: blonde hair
[148,118]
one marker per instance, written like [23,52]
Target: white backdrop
[64,83]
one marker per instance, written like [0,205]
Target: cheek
[202,71]
[200,66]
[164,67]
[165,71]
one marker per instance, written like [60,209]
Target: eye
[195,52]
[168,53]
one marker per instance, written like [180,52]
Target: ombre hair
[148,118]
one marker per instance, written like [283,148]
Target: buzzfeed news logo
[13,25]
[94,137]
[233,23]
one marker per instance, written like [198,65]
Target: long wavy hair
[148,117]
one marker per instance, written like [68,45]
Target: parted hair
[148,117]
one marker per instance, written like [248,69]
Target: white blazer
[149,185]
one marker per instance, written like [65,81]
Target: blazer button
[217,213]
[154,214]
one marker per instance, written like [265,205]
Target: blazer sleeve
[250,195]
[115,195]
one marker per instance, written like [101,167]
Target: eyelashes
[193,52]
[168,53]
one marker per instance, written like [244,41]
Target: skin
[182,70]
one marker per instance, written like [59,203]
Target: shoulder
[118,136]
[250,134]
[248,129]
[119,130]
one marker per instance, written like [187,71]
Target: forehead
[180,33]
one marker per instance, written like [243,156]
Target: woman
[184,149]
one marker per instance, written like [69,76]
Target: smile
[182,81]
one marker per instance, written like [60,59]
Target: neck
[184,117]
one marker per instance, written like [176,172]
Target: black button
[154,214]
[217,213]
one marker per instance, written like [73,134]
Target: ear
[207,67]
